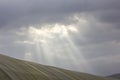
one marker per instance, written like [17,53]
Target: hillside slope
[117,76]
[14,69]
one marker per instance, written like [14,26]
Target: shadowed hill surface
[14,69]
[117,76]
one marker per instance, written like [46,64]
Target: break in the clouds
[74,34]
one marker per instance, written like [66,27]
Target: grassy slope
[14,69]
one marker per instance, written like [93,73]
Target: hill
[14,69]
[117,76]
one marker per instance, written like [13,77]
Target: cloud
[108,63]
[20,12]
[93,27]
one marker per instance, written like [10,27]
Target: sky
[80,35]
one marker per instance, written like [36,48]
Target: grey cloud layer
[21,12]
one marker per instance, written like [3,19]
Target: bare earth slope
[14,69]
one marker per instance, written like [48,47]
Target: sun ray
[54,44]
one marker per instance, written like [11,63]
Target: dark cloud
[109,17]
[33,12]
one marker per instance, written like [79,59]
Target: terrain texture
[14,69]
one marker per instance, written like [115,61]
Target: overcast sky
[81,35]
